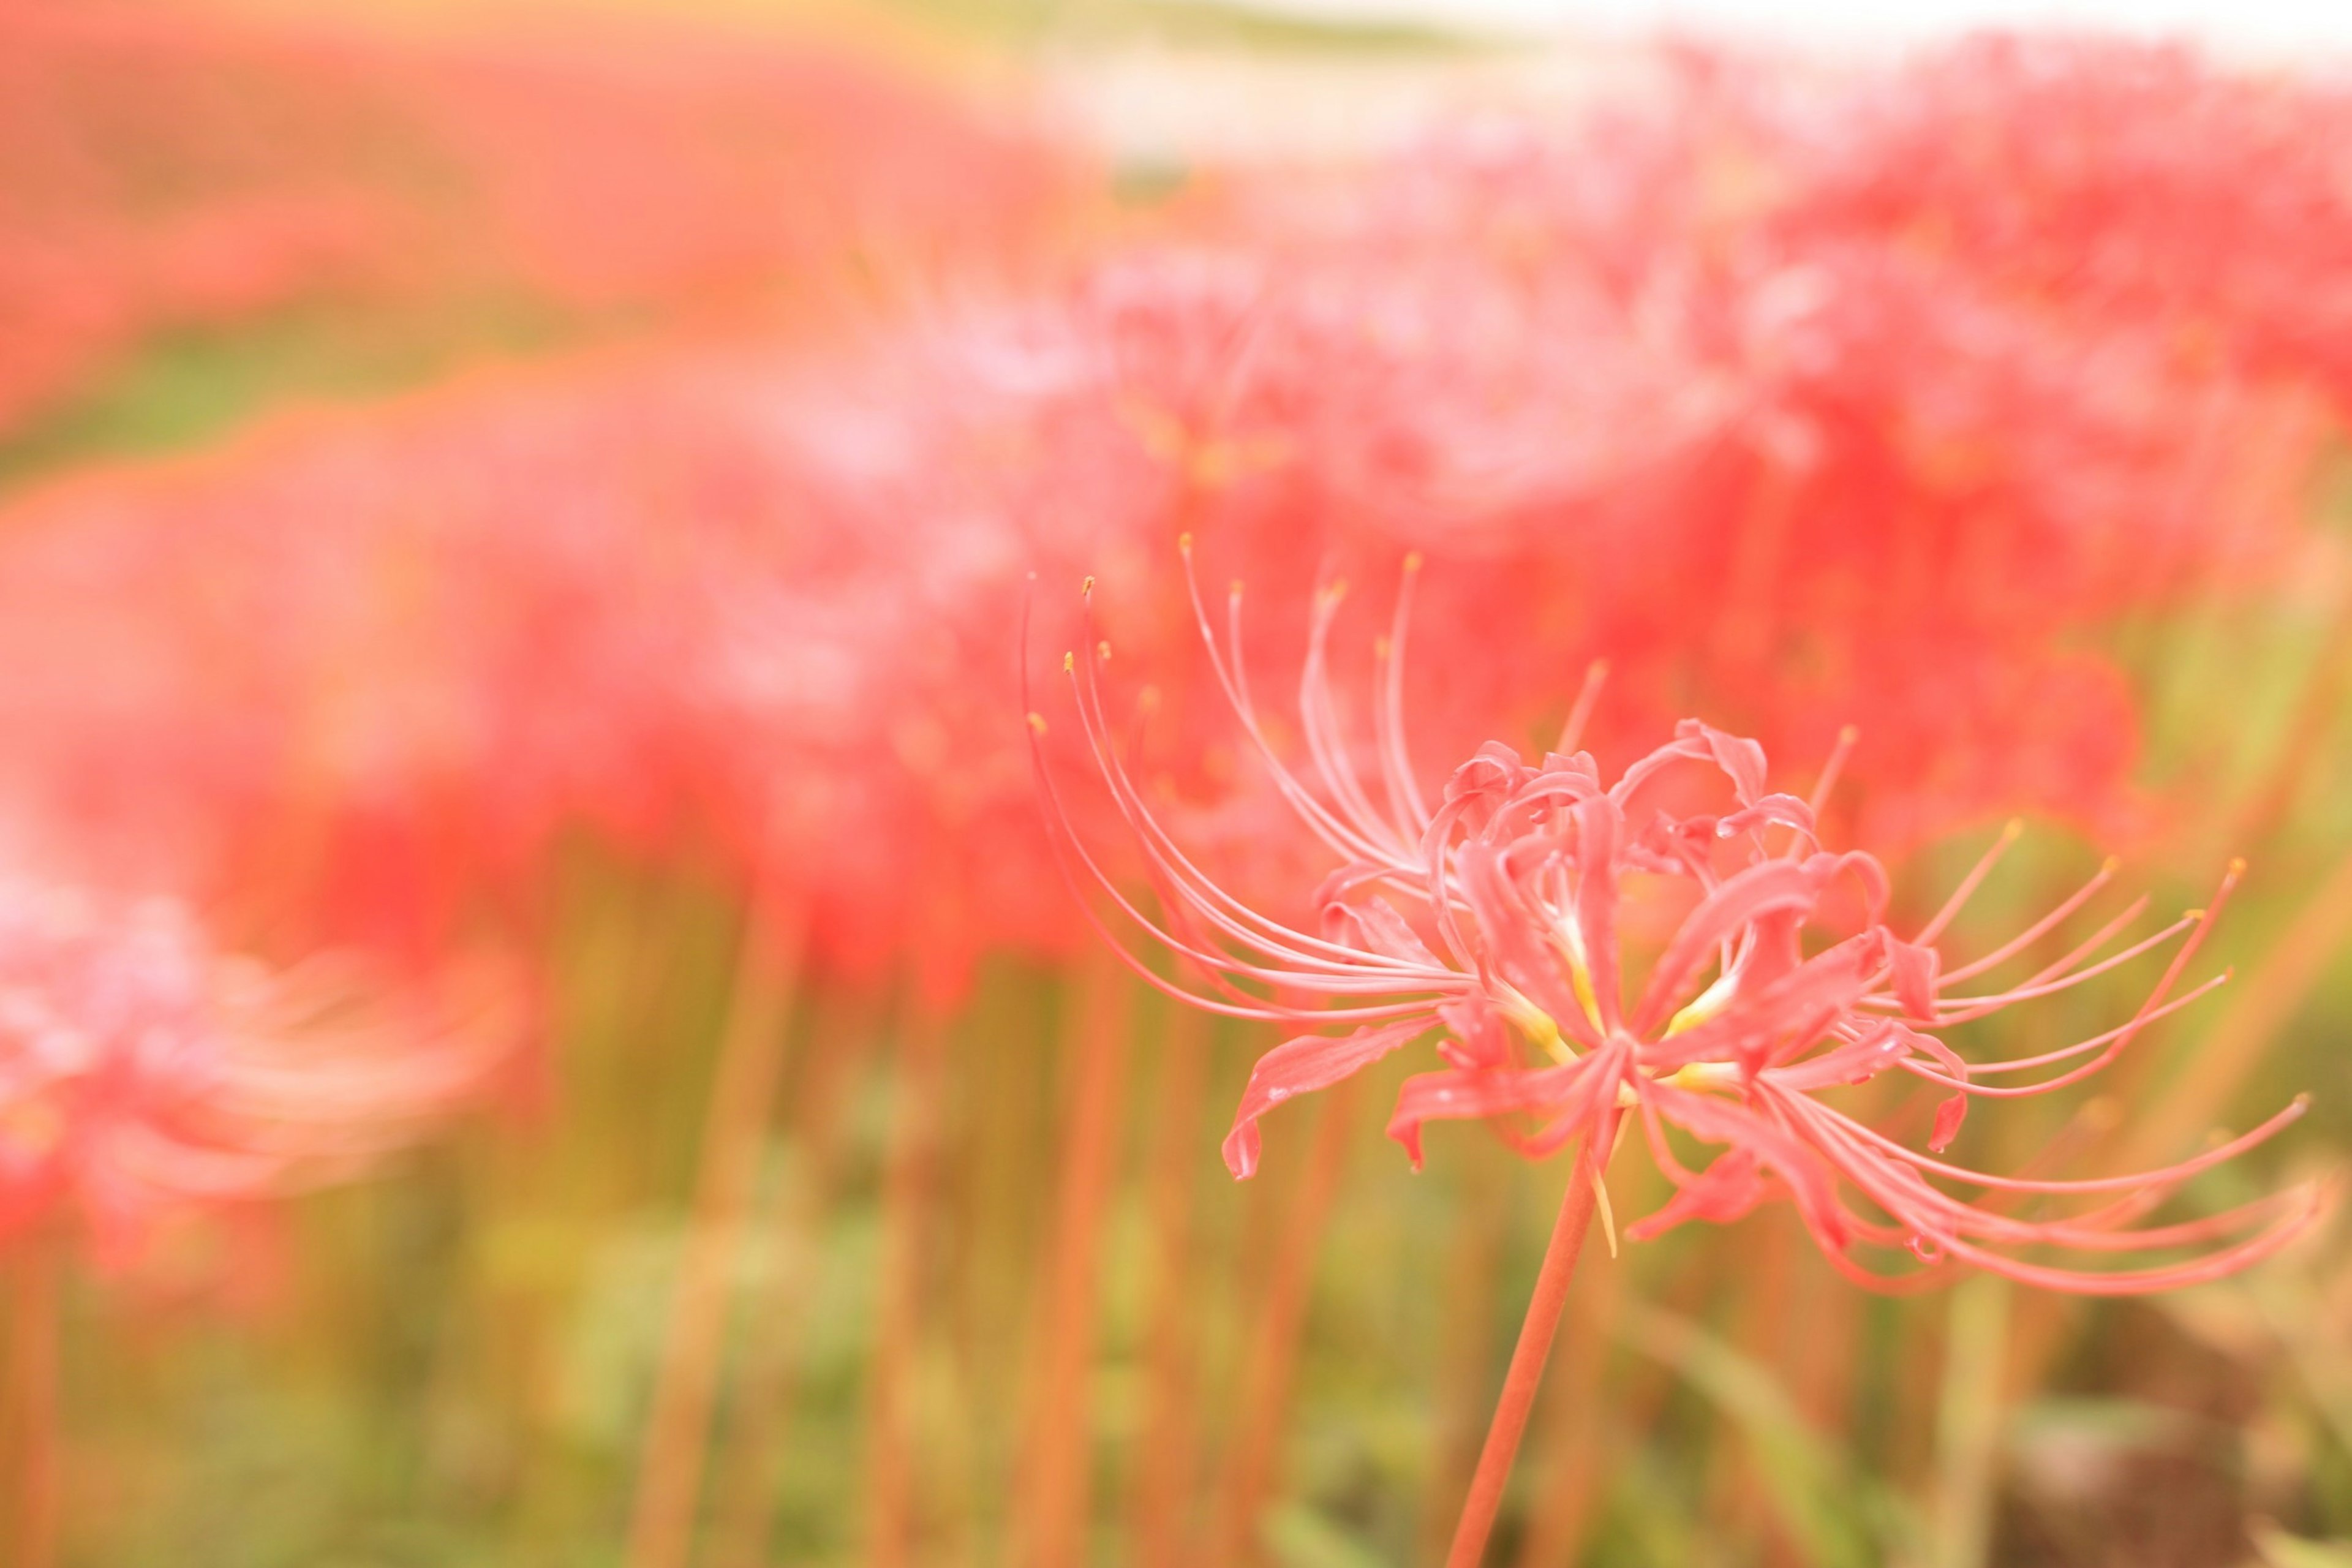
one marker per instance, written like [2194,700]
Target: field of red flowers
[754,810]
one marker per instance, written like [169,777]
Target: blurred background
[540,1021]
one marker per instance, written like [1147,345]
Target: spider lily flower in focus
[1494,921]
[144,1075]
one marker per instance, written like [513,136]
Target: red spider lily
[144,1075]
[2111,179]
[373,663]
[1498,915]
[1803,389]
[168,169]
[355,672]
[771,596]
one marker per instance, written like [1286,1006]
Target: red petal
[1457,1096]
[1913,969]
[1949,1116]
[1298,1067]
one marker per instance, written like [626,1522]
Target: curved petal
[1725,1191]
[1300,1067]
[1772,887]
[1600,829]
[1513,945]
[1784,1017]
[1455,1095]
[1811,1180]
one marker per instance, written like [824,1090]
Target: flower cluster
[2121,183]
[161,170]
[1674,351]
[359,672]
[1499,917]
[1852,362]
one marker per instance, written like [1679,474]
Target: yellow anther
[1184,543]
[2013,829]
[1069,663]
[1086,588]
[1412,561]
[1037,723]
[1103,650]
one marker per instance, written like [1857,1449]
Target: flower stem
[1526,1375]
[669,1481]
[34,1332]
[1576,1453]
[760,1421]
[1165,1463]
[1061,1446]
[907,1179]
[1264,1406]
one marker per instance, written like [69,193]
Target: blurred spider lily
[144,1075]
[168,170]
[1497,918]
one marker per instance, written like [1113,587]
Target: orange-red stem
[1525,1376]
[1061,1444]
[1576,1453]
[1164,1470]
[891,1500]
[1474,1279]
[669,1482]
[777,1319]
[1265,1404]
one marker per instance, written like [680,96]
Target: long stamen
[1326,738]
[1587,697]
[1405,800]
[2009,832]
[2064,1053]
[1268,936]
[2038,929]
[1846,1126]
[1232,672]
[1832,769]
[1963,1009]
[1068,845]
[2136,1282]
